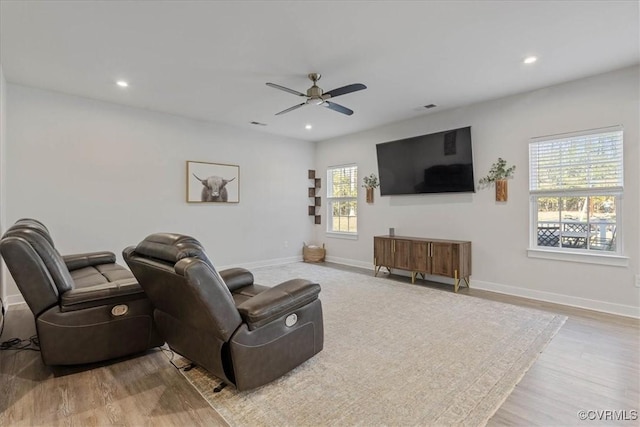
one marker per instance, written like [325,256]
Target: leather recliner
[243,333]
[87,308]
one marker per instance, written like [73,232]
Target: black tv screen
[434,163]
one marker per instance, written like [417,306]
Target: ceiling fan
[315,95]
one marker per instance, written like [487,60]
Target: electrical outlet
[637,280]
[286,244]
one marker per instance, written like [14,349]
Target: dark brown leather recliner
[243,333]
[87,308]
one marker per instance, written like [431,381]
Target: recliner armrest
[236,278]
[76,261]
[117,292]
[277,301]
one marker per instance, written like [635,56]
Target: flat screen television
[434,163]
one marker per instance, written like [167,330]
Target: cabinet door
[442,259]
[419,257]
[402,254]
[382,253]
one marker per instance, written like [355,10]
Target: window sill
[338,235]
[588,258]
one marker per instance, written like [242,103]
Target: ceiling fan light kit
[316,96]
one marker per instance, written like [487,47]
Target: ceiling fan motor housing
[314,92]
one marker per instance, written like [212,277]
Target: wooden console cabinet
[448,258]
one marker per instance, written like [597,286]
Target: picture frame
[212,182]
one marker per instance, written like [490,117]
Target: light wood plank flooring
[145,390]
[591,364]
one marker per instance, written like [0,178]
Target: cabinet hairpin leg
[414,276]
[457,281]
[377,268]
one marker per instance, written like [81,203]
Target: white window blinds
[343,181]
[581,161]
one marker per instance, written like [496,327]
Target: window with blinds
[580,162]
[576,184]
[342,197]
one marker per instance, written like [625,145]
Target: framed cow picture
[212,182]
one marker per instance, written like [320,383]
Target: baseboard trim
[350,262]
[588,304]
[14,300]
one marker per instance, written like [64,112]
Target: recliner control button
[291,320]
[119,310]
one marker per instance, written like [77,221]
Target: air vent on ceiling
[258,124]
[430,106]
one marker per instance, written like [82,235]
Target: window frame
[587,254]
[340,199]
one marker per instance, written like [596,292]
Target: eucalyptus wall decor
[370,183]
[498,174]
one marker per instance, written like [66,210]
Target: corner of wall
[3,204]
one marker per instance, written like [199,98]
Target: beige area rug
[394,354]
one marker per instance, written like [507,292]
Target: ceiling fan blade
[286,89]
[291,109]
[345,89]
[337,107]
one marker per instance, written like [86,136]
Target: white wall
[104,176]
[500,232]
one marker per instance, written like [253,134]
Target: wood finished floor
[591,364]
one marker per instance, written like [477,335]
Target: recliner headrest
[34,225]
[33,221]
[171,247]
[51,258]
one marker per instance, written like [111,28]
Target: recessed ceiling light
[122,83]
[530,59]
[307,127]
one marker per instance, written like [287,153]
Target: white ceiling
[211,60]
